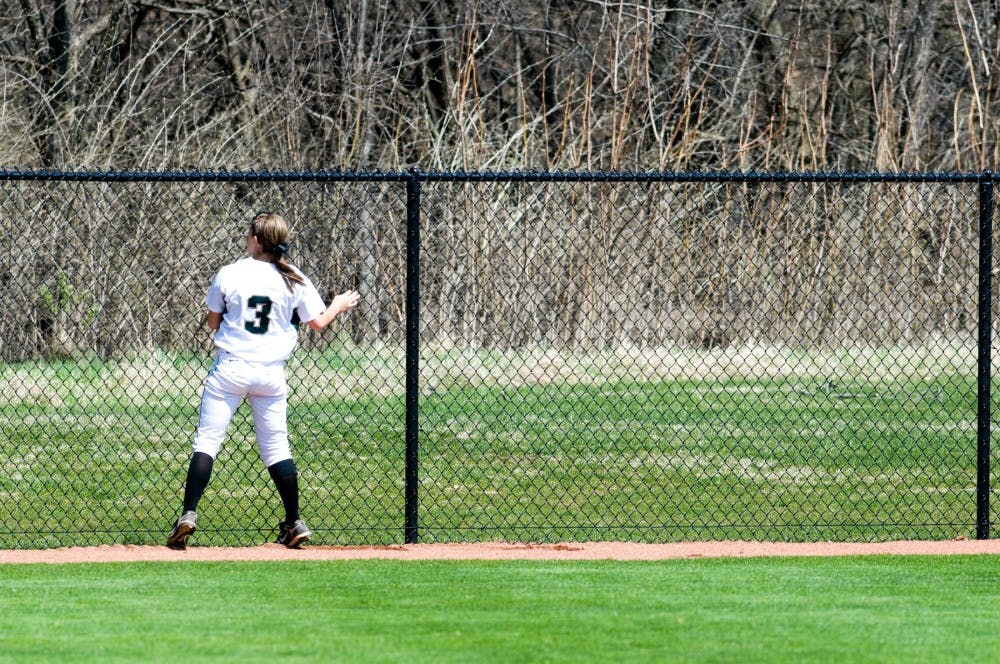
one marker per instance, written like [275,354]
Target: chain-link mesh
[666,361]
[785,358]
[106,350]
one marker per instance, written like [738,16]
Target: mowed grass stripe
[748,610]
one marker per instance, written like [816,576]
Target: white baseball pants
[264,386]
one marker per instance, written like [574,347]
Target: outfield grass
[852,609]
[739,443]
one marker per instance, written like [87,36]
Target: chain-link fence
[537,357]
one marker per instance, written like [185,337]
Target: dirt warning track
[499,551]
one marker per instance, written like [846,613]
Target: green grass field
[759,443]
[849,609]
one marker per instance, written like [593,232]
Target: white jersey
[257,308]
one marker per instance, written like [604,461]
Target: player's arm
[216,302]
[340,304]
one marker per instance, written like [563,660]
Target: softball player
[251,304]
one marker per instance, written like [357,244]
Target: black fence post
[984,361]
[412,354]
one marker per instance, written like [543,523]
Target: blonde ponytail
[271,231]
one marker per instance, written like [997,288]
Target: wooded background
[465,84]
[449,85]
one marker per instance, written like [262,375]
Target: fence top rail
[748,177]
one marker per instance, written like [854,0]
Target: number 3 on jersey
[261,306]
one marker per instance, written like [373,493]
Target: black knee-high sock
[286,479]
[199,472]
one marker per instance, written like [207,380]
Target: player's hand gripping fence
[599,356]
